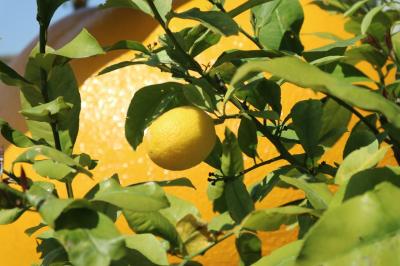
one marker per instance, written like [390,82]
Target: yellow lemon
[180,138]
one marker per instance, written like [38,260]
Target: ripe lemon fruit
[180,138]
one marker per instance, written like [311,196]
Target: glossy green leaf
[307,122]
[318,194]
[10,77]
[246,6]
[304,75]
[366,180]
[147,104]
[214,158]
[231,160]
[163,6]
[218,22]
[247,137]
[61,83]
[283,256]
[368,19]
[357,140]
[248,246]
[335,119]
[396,44]
[52,169]
[46,10]
[8,216]
[95,233]
[179,182]
[197,39]
[14,136]
[238,200]
[359,160]
[277,25]
[47,112]
[149,247]
[81,46]
[128,45]
[261,92]
[30,156]
[145,197]
[178,209]
[199,97]
[154,223]
[355,7]
[369,234]
[221,222]
[272,219]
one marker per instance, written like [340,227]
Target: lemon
[180,138]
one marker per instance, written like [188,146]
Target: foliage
[359,223]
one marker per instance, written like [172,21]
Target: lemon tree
[348,214]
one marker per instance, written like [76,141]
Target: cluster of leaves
[82,231]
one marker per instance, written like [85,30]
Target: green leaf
[47,112]
[128,45]
[53,169]
[246,6]
[357,140]
[318,194]
[147,104]
[307,76]
[14,136]
[369,17]
[218,22]
[396,44]
[367,53]
[231,160]
[197,39]
[238,200]
[8,216]
[248,246]
[10,77]
[83,45]
[214,158]
[335,119]
[262,188]
[362,230]
[261,92]
[94,233]
[359,160]
[178,209]
[247,137]
[333,49]
[61,83]
[149,247]
[355,7]
[30,155]
[221,222]
[179,182]
[272,219]
[145,197]
[46,10]
[368,179]
[154,223]
[307,122]
[199,97]
[284,256]
[163,6]
[277,25]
